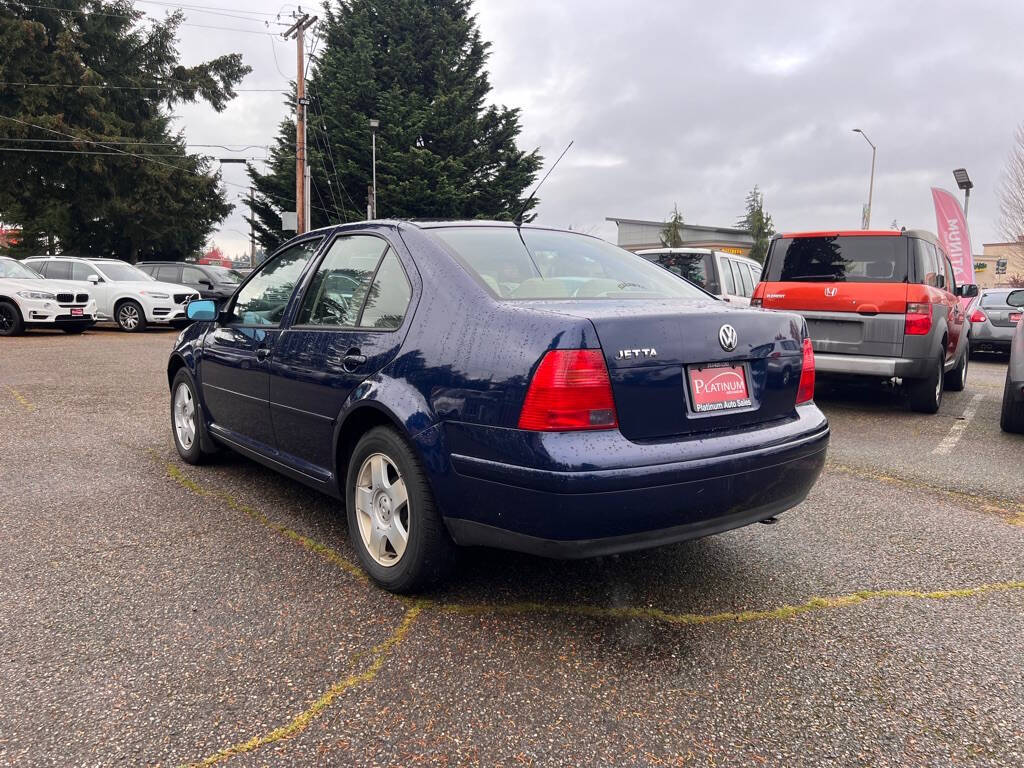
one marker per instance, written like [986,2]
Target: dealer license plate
[718,387]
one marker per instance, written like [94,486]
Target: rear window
[853,259]
[994,299]
[543,264]
[695,267]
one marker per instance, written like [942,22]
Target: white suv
[123,293]
[728,276]
[27,300]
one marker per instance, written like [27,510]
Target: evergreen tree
[672,234]
[84,90]
[758,223]
[417,66]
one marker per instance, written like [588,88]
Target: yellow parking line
[1011,511]
[782,612]
[301,721]
[311,545]
[24,401]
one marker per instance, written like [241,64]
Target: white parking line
[959,427]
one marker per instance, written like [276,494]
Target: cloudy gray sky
[695,102]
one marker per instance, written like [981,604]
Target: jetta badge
[831,291]
[728,338]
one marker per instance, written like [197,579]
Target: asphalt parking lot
[153,613]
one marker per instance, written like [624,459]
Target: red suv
[882,304]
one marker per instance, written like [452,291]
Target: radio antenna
[518,218]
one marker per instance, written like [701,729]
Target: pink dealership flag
[953,234]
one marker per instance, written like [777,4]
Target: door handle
[262,354]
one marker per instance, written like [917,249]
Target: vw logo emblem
[728,338]
[831,291]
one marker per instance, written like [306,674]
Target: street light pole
[374,124]
[964,182]
[871,186]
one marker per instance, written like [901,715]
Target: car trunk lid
[650,345]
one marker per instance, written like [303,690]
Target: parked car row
[74,293]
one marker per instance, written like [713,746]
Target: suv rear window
[837,258]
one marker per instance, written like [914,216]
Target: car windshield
[995,299]
[838,258]
[225,275]
[120,272]
[17,271]
[544,264]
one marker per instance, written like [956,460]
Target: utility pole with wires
[302,207]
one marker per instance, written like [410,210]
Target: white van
[728,276]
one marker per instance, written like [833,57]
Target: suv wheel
[956,380]
[187,423]
[130,316]
[1012,417]
[926,393]
[397,533]
[10,320]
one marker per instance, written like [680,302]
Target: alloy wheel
[184,416]
[128,317]
[382,509]
[6,318]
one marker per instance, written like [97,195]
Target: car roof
[75,258]
[921,234]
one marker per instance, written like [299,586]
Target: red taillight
[919,319]
[977,316]
[570,390]
[805,392]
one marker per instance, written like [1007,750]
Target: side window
[737,281]
[336,293]
[59,270]
[389,296]
[748,285]
[193,276]
[927,264]
[38,266]
[147,268]
[264,298]
[167,274]
[81,271]
[728,283]
[950,277]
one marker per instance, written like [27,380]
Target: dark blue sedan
[486,384]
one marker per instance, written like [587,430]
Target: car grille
[65,298]
[182,298]
[82,298]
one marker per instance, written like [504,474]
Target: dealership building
[638,234]
[998,263]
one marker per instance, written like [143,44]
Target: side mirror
[967,290]
[206,283]
[94,279]
[202,310]
[1015,298]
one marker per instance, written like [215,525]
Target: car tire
[926,393]
[395,500]
[130,317]
[188,427]
[10,320]
[956,379]
[1011,419]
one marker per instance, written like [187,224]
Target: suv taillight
[805,392]
[570,390]
[977,316]
[919,319]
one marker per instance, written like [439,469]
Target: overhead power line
[226,148]
[104,86]
[150,18]
[141,157]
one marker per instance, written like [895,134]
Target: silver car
[993,321]
[1012,419]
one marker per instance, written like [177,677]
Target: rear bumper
[862,365]
[586,510]
[983,334]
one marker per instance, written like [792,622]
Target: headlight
[153,295]
[41,295]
